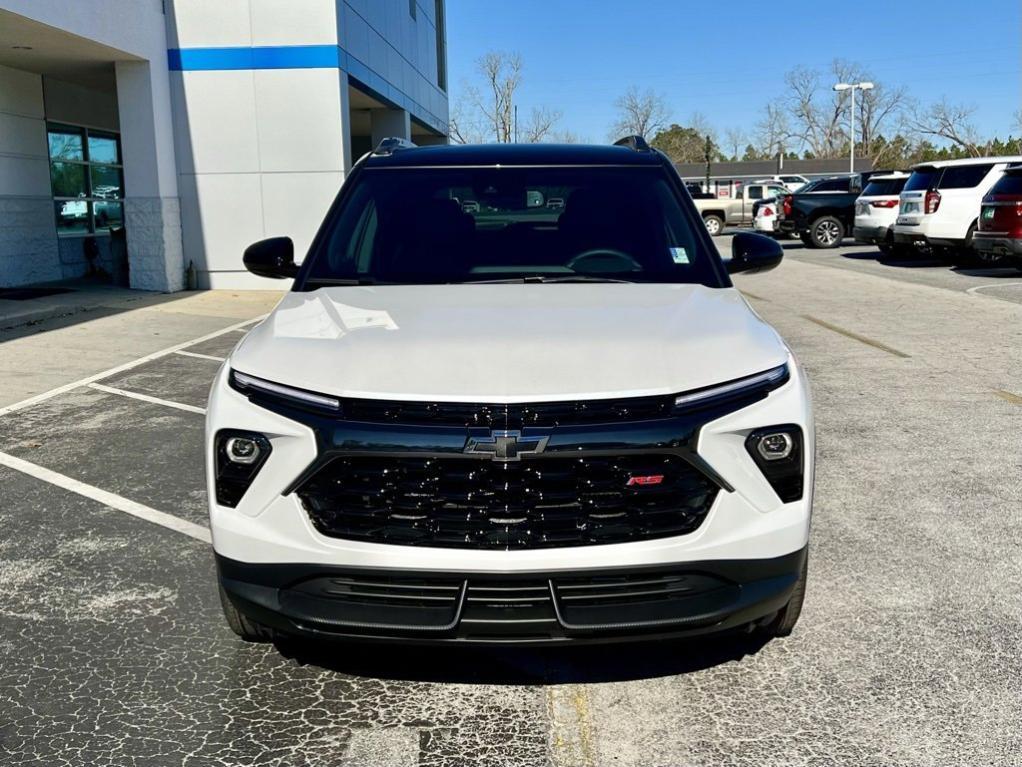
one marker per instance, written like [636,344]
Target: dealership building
[145,141]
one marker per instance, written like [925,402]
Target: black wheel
[786,618]
[826,232]
[241,625]
[714,224]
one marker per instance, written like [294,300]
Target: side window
[963,176]
[833,185]
[755,193]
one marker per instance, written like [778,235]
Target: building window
[411,8]
[441,47]
[87,179]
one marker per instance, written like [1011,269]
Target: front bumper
[591,605]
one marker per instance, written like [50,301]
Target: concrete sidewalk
[99,327]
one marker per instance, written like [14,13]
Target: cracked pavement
[113,650]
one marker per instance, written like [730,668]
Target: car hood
[509,343]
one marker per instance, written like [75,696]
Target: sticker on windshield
[679,255]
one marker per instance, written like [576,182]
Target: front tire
[826,232]
[714,225]
[244,627]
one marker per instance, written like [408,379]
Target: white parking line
[975,289]
[239,328]
[183,353]
[169,521]
[147,398]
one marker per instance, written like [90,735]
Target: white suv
[876,210]
[941,200]
[512,423]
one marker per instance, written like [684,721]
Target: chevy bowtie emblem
[506,445]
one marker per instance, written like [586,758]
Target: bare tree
[463,126]
[876,109]
[640,113]
[951,122]
[774,130]
[540,125]
[734,140]
[487,111]
[502,74]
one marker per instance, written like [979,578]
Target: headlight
[752,387]
[260,387]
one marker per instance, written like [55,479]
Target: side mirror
[753,253]
[273,258]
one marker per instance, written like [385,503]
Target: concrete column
[387,123]
[152,210]
[347,158]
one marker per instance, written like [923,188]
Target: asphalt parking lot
[113,650]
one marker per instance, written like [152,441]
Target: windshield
[922,180]
[1010,183]
[885,187]
[444,225]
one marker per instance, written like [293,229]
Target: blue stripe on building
[267,57]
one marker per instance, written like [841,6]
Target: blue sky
[727,59]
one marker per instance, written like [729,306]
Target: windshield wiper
[542,278]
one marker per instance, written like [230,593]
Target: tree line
[806,119]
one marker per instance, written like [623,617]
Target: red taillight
[932,201]
[884,203]
[653,479]
[767,211]
[786,204]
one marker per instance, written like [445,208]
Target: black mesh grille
[508,416]
[470,503]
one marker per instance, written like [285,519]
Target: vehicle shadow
[904,262]
[517,665]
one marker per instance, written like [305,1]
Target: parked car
[631,457]
[999,235]
[876,210]
[822,212]
[940,204]
[793,182]
[765,218]
[719,212]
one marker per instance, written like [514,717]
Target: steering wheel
[599,257]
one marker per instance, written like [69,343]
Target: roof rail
[393,144]
[635,143]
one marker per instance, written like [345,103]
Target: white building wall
[28,234]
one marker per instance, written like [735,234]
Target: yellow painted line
[856,337]
[571,727]
[1014,399]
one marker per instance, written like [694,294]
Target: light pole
[852,87]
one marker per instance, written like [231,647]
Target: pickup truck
[735,211]
[822,212]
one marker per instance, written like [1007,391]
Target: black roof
[513,154]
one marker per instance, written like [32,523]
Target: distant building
[194,127]
[725,176]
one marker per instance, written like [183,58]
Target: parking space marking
[184,353]
[147,398]
[570,736]
[1014,399]
[856,337]
[975,289]
[240,327]
[113,501]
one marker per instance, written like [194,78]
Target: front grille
[460,502]
[507,416]
[504,608]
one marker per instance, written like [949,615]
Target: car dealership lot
[113,650]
